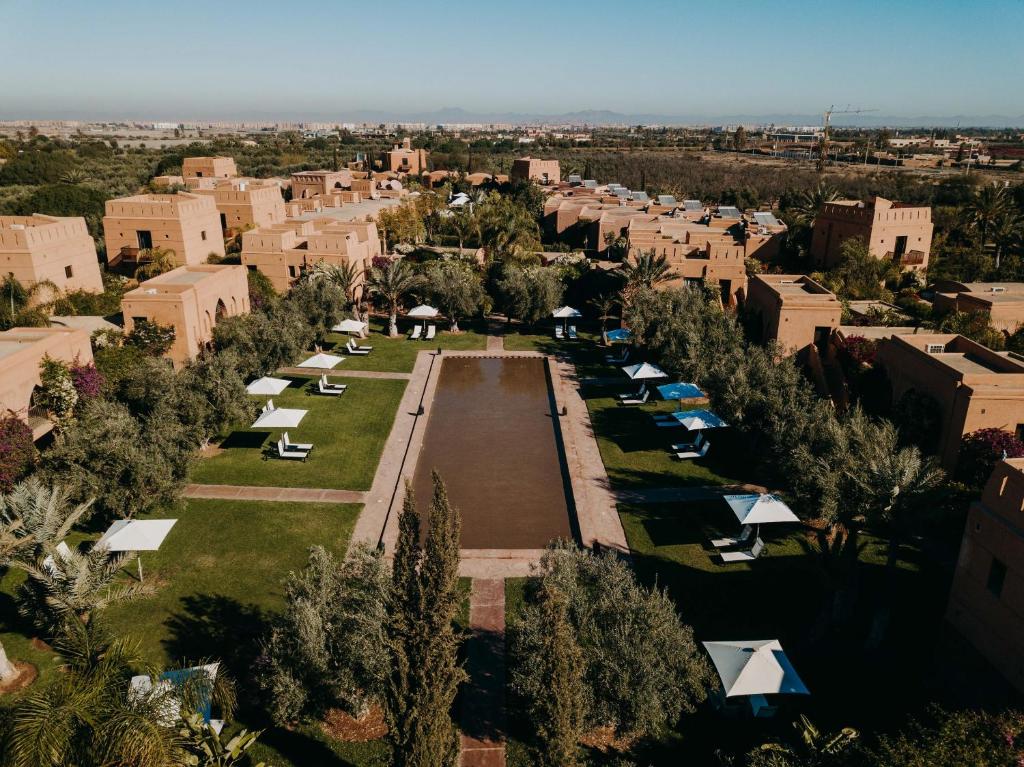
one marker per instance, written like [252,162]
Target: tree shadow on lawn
[248,440]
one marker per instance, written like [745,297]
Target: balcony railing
[910,258]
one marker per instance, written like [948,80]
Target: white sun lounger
[696,449]
[329,390]
[331,386]
[744,556]
[351,348]
[636,400]
[737,540]
[296,455]
[559,333]
[289,445]
[622,358]
[635,394]
[431,332]
[572,332]
[416,333]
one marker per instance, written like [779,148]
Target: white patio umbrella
[756,667]
[423,312]
[352,327]
[268,386]
[699,419]
[323,361]
[643,371]
[278,417]
[760,509]
[136,535]
[565,313]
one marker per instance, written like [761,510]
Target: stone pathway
[250,493]
[482,703]
[495,335]
[343,372]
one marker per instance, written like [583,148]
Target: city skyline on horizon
[236,61]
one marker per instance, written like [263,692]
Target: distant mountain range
[585,117]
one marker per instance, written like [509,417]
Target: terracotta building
[21,352]
[185,223]
[281,252]
[795,310]
[1003,302]
[313,183]
[986,601]
[404,159]
[246,203]
[208,167]
[531,169]
[900,233]
[39,248]
[973,386]
[192,299]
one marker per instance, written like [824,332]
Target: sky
[316,59]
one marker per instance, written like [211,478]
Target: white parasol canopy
[565,312]
[325,361]
[424,311]
[756,667]
[268,385]
[644,370]
[278,417]
[760,509]
[136,534]
[699,419]
[350,326]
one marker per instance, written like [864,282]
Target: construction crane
[823,147]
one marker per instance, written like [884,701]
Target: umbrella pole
[139,561]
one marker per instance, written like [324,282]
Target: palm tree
[1007,232]
[158,261]
[391,284]
[26,306]
[464,224]
[989,204]
[74,176]
[605,305]
[647,270]
[809,203]
[344,275]
[815,747]
[90,714]
[33,520]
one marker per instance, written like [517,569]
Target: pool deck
[595,503]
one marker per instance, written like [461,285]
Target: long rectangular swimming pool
[491,434]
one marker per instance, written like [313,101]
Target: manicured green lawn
[399,354]
[348,434]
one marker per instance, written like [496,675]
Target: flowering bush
[88,381]
[860,350]
[59,394]
[980,450]
[17,451]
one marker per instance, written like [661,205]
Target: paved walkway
[250,493]
[495,335]
[482,702]
[344,372]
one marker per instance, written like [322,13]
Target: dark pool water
[491,436]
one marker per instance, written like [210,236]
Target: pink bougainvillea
[980,450]
[87,379]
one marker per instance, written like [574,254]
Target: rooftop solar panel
[728,211]
[667,200]
[640,196]
[765,218]
[590,183]
[692,205]
[575,179]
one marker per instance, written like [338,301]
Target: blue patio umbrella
[680,390]
[619,334]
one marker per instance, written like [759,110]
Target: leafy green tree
[859,274]
[25,307]
[508,232]
[343,276]
[402,224]
[465,225]
[640,664]
[263,340]
[813,749]
[979,738]
[57,389]
[391,284]
[529,293]
[320,302]
[973,325]
[107,442]
[455,287]
[424,673]
[215,392]
[154,262]
[208,749]
[327,649]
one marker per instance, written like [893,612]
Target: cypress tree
[560,713]
[425,673]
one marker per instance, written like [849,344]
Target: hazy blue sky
[182,58]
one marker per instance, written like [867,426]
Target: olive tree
[455,287]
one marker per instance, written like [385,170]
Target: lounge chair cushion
[744,556]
